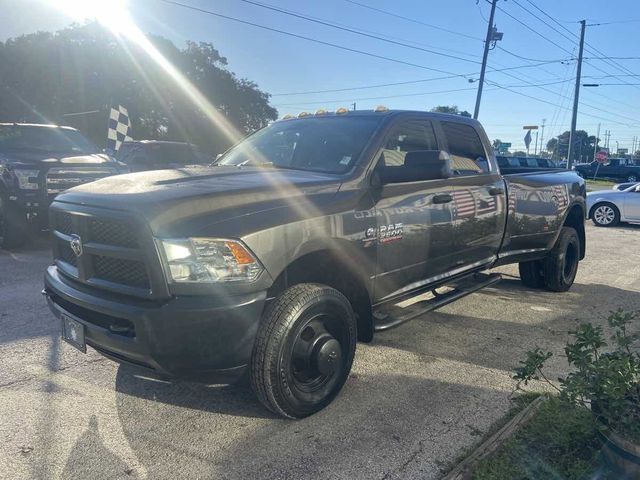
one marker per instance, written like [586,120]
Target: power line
[355,32]
[382,97]
[408,82]
[413,20]
[534,31]
[551,103]
[302,37]
[604,58]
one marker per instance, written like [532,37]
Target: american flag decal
[468,205]
[119,128]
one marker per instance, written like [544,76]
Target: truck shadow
[447,392]
[477,330]
[236,400]
[376,412]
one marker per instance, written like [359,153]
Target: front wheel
[304,350]
[561,264]
[605,215]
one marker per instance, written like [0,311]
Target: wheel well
[575,220]
[326,267]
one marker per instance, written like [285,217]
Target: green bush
[605,376]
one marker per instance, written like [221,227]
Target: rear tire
[561,264]
[13,227]
[532,273]
[605,214]
[304,350]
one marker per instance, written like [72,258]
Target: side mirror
[419,166]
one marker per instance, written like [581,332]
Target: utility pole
[544,120]
[535,148]
[354,106]
[576,96]
[492,36]
[595,146]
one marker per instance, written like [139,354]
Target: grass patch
[560,442]
[600,183]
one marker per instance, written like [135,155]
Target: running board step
[404,311]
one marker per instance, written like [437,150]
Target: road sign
[530,127]
[623,151]
[602,156]
[527,139]
[503,147]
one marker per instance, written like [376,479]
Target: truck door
[479,198]
[414,218]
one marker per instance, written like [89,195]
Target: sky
[439,38]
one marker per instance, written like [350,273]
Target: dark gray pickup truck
[301,240]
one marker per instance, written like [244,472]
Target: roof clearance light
[303,114]
[321,111]
[381,108]
[287,116]
[342,111]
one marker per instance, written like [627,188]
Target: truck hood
[166,198]
[42,159]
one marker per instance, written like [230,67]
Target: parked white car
[609,207]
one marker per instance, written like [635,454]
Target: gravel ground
[418,396]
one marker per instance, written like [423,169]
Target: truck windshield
[321,144]
[43,138]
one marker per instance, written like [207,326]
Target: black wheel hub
[317,354]
[328,357]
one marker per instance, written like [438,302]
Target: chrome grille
[60,179]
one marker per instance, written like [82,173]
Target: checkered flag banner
[119,128]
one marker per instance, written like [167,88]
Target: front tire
[561,264]
[304,350]
[605,215]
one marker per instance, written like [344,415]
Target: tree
[45,75]
[496,143]
[582,148]
[453,110]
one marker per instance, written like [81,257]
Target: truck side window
[465,148]
[407,136]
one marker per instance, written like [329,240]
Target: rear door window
[468,156]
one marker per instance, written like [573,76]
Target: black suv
[36,163]
[145,155]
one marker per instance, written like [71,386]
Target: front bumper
[34,205]
[193,337]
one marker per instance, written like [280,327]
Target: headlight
[209,260]
[27,179]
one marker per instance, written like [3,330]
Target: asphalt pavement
[418,396]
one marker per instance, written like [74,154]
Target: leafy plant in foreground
[605,376]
